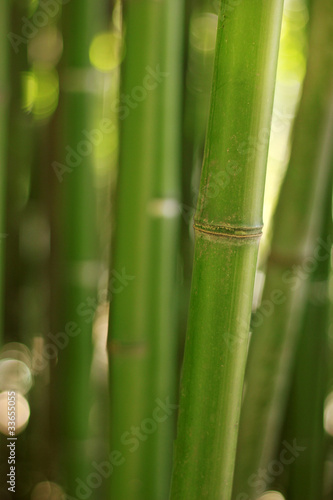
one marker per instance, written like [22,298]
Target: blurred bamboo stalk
[17,173]
[75,242]
[201,29]
[202,25]
[163,240]
[297,223]
[142,327]
[228,226]
[4,102]
[305,415]
[200,60]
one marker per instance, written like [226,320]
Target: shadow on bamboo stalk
[295,249]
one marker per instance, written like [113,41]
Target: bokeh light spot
[15,376]
[105,53]
[29,90]
[47,491]
[47,94]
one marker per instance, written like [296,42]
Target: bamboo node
[226,231]
[128,349]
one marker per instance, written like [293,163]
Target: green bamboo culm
[142,327]
[75,243]
[198,79]
[305,415]
[200,59]
[297,223]
[17,172]
[228,226]
[163,240]
[4,98]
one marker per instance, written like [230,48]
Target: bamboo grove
[165,249]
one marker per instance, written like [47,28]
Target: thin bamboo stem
[127,341]
[163,242]
[76,243]
[4,101]
[142,328]
[198,80]
[17,175]
[228,226]
[305,414]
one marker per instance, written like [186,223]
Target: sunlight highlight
[328,415]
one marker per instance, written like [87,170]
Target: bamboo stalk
[4,25]
[228,226]
[303,422]
[75,242]
[163,241]
[296,230]
[305,414]
[142,329]
[128,365]
[198,79]
[17,173]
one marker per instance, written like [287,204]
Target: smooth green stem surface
[228,226]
